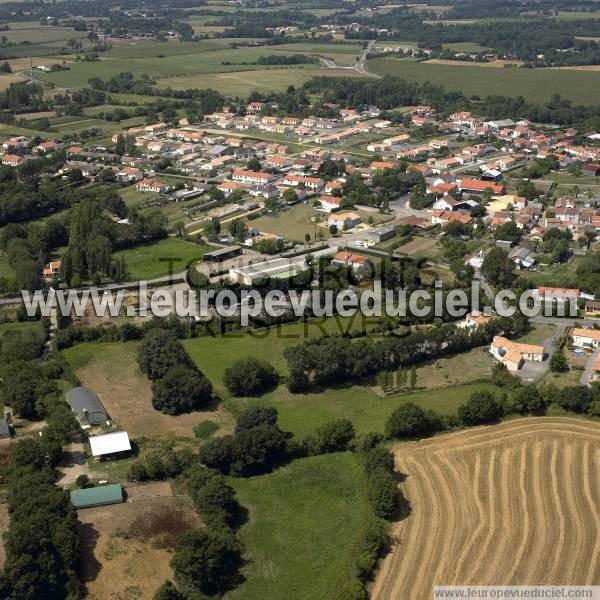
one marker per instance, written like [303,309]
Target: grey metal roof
[86,406]
[4,428]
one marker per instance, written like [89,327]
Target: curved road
[359,67]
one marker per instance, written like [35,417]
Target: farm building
[110,445]
[222,254]
[87,407]
[97,496]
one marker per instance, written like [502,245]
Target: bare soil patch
[127,395]
[126,548]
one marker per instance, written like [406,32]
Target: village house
[150,185]
[12,160]
[592,308]
[361,265]
[344,220]
[49,146]
[329,203]
[51,270]
[311,183]
[252,176]
[513,354]
[586,338]
[129,174]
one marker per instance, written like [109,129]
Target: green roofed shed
[97,496]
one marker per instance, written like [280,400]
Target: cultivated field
[514,503]
[536,85]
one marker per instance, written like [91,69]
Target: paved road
[586,376]
[534,371]
[359,67]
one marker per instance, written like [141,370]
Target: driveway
[534,371]
[586,376]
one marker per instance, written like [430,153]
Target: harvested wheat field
[515,503]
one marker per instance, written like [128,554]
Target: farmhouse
[110,445]
[513,354]
[87,407]
[476,318]
[586,338]
[51,270]
[329,203]
[97,496]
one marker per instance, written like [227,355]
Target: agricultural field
[156,259]
[536,85]
[240,83]
[514,502]
[112,371]
[171,59]
[291,554]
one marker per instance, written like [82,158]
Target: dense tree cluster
[177,384]
[330,360]
[257,446]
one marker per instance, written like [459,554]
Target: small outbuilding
[4,429]
[222,254]
[110,445]
[97,496]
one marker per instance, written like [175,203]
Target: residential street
[586,376]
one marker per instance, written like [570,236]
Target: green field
[536,85]
[302,414]
[19,326]
[153,260]
[304,522]
[42,35]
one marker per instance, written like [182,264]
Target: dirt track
[516,503]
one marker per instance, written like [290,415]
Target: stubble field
[513,504]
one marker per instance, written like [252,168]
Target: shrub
[480,408]
[250,377]
[181,390]
[160,352]
[408,421]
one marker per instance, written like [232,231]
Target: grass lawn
[302,414]
[562,275]
[538,334]
[536,85]
[5,269]
[295,222]
[215,354]
[159,258]
[304,522]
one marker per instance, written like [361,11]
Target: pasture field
[41,35]
[112,371]
[302,414]
[419,246]
[514,503]
[536,85]
[290,553]
[149,261]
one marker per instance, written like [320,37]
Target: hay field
[515,503]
